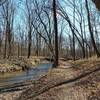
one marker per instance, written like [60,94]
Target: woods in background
[55,28]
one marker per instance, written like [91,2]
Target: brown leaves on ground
[87,88]
[85,64]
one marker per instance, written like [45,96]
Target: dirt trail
[51,88]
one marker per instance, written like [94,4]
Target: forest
[49,49]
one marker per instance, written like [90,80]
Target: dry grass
[86,63]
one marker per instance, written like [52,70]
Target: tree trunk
[91,32]
[9,41]
[5,47]
[29,45]
[18,50]
[56,34]
[56,83]
[0,48]
[72,32]
[83,47]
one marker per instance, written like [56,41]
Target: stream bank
[86,88]
[15,88]
[18,64]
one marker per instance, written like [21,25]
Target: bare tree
[8,10]
[29,20]
[91,31]
[56,33]
[2,2]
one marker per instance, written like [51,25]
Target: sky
[20,17]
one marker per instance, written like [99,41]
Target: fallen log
[52,84]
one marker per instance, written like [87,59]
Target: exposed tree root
[32,94]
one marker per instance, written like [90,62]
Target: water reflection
[31,74]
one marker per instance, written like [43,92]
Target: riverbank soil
[18,64]
[79,80]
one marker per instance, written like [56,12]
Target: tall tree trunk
[37,44]
[72,33]
[9,51]
[18,50]
[91,32]
[56,34]
[82,32]
[29,44]
[83,47]
[5,47]
[0,48]
[9,41]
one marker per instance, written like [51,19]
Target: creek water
[31,74]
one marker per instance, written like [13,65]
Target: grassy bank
[17,65]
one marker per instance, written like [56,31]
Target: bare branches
[2,2]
